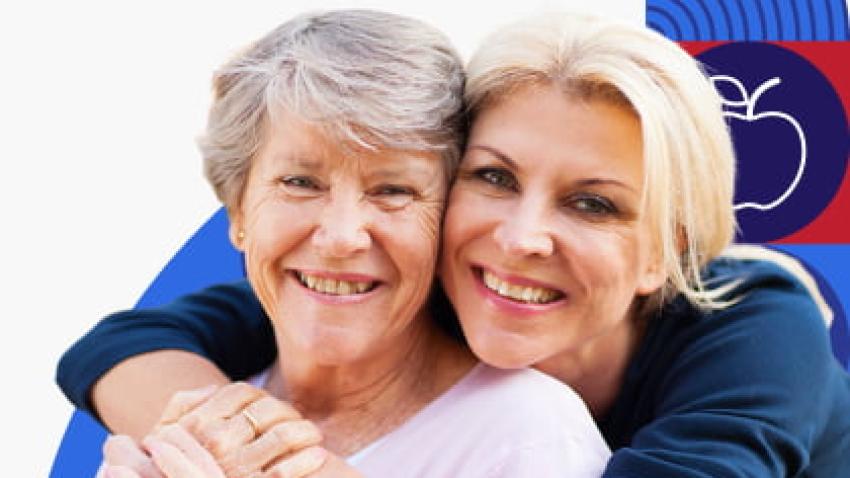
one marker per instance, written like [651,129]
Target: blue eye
[304,182]
[593,205]
[497,177]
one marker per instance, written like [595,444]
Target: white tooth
[311,281]
[488,280]
[538,294]
[343,288]
[362,287]
[331,286]
[321,285]
[526,294]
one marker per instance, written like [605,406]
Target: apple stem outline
[750,103]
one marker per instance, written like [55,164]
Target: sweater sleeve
[223,323]
[747,396]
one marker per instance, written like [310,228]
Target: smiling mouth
[328,286]
[519,293]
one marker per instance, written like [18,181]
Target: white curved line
[800,169]
[737,83]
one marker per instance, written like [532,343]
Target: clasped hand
[236,431]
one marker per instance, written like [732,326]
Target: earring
[240,235]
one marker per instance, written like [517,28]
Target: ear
[653,276]
[236,232]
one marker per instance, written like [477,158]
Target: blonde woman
[585,237]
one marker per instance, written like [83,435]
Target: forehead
[563,134]
[309,145]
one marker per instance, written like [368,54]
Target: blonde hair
[689,166]
[370,79]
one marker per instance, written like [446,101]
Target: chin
[332,346]
[503,353]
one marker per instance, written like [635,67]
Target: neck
[355,403]
[596,370]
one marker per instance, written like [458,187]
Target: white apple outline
[750,104]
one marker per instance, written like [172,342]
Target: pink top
[493,423]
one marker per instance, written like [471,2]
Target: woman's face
[340,244]
[544,245]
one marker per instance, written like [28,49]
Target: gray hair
[369,79]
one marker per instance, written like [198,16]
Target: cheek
[415,236]
[467,216]
[273,230]
[607,265]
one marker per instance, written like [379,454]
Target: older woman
[582,238]
[331,148]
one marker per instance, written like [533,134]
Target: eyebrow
[495,152]
[303,161]
[584,182]
[401,171]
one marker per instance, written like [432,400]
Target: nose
[524,230]
[342,228]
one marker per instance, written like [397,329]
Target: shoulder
[537,424]
[530,406]
[775,309]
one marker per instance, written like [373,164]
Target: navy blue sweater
[749,391]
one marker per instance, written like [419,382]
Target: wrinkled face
[544,245]
[340,245]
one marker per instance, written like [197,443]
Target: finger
[121,450]
[299,464]
[183,402]
[221,438]
[224,403]
[170,460]
[194,452]
[281,439]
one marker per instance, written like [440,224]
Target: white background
[100,103]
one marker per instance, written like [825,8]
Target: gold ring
[255,424]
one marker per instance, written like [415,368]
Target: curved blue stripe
[820,19]
[709,20]
[827,21]
[777,14]
[754,19]
[831,20]
[762,18]
[841,18]
[729,28]
[717,19]
[680,17]
[771,23]
[741,23]
[812,20]
[657,19]
[700,27]
[795,18]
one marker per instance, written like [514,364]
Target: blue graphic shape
[206,259]
[749,20]
[830,265]
[790,134]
